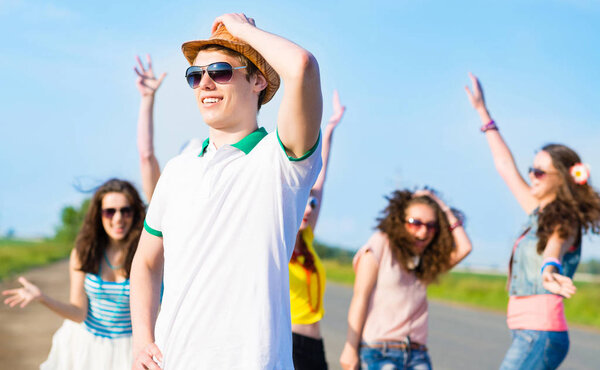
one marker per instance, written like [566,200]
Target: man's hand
[146,82]
[234,22]
[147,358]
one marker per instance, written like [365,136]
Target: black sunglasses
[219,72]
[313,202]
[537,173]
[125,212]
[415,224]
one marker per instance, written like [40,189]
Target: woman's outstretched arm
[147,84]
[503,159]
[75,310]
[317,189]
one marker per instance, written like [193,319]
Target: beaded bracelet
[489,126]
[455,225]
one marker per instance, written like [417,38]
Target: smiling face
[545,186]
[422,215]
[116,227]
[230,105]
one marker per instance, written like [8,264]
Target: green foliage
[590,267]
[341,255]
[71,221]
[18,255]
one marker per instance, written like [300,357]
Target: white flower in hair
[580,173]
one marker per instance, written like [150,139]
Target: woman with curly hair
[99,269]
[562,206]
[418,238]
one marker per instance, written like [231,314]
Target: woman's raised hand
[558,284]
[338,110]
[146,82]
[476,96]
[22,296]
[430,194]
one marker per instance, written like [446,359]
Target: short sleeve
[156,210]
[302,171]
[375,245]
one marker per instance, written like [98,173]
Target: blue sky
[69,104]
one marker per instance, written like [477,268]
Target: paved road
[459,338]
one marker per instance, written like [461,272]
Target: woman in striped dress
[97,331]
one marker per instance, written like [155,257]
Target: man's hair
[251,69]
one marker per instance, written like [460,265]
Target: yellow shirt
[306,288]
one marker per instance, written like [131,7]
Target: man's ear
[260,83]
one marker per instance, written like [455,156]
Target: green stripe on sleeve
[152,231]
[306,155]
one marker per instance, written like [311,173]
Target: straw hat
[222,37]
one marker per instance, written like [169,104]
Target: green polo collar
[245,145]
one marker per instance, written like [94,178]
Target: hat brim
[190,51]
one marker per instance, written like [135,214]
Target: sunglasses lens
[194,79]
[537,173]
[313,202]
[127,212]
[220,72]
[109,212]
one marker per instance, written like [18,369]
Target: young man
[222,224]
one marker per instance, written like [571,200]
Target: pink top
[537,312]
[398,304]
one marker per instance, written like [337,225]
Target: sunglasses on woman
[219,72]
[313,202]
[537,173]
[126,212]
[414,224]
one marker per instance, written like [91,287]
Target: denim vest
[525,264]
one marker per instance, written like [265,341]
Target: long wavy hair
[435,259]
[92,239]
[575,210]
[301,249]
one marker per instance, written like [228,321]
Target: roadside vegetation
[17,255]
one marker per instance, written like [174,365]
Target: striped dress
[103,340]
[108,307]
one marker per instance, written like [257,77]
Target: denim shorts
[535,349]
[393,358]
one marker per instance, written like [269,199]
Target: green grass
[17,255]
[488,292]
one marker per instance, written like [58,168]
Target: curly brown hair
[92,239]
[435,260]
[575,210]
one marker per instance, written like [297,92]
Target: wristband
[455,225]
[552,262]
[489,126]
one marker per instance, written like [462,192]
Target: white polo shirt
[229,219]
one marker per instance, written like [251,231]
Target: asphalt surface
[459,338]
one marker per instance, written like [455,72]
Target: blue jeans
[535,349]
[393,359]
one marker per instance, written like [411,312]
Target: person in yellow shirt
[307,276]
